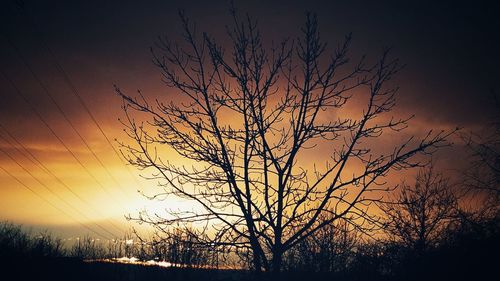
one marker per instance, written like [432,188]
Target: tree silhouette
[248,119]
[328,250]
[483,174]
[420,214]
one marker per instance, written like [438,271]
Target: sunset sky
[450,51]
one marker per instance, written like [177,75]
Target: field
[76,269]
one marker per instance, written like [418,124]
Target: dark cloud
[450,48]
[450,51]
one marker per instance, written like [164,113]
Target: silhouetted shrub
[17,243]
[328,250]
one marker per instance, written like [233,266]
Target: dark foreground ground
[74,269]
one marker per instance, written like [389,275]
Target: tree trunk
[277,260]
[256,262]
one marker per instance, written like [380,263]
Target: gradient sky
[450,51]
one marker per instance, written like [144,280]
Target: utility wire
[65,116]
[74,90]
[57,137]
[54,206]
[26,153]
[50,190]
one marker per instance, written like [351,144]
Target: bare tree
[247,118]
[17,242]
[420,214]
[330,249]
[180,247]
[87,248]
[483,175]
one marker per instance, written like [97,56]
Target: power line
[54,206]
[50,190]
[33,159]
[47,125]
[75,91]
[39,163]
[40,117]
[85,107]
[42,166]
[61,111]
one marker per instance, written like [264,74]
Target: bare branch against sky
[248,116]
